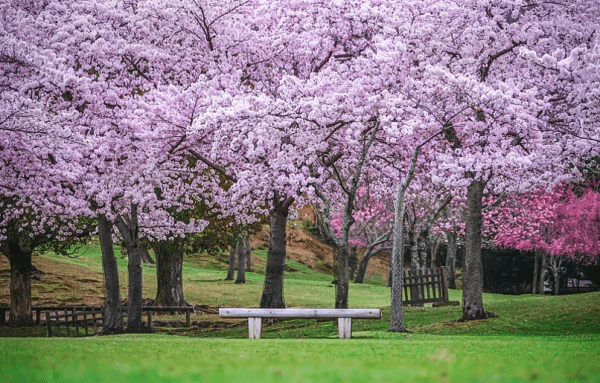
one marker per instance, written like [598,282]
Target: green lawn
[388,358]
[535,338]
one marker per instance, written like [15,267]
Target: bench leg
[345,328]
[254,328]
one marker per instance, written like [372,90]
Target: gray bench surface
[255,315]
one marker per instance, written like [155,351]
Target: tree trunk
[362,267]
[433,261]
[241,252]
[397,262]
[434,246]
[169,267]
[422,246]
[112,322]
[451,259]
[231,271]
[473,268]
[543,271]
[146,258]
[352,261]
[556,273]
[272,296]
[20,284]
[130,233]
[135,298]
[422,249]
[341,276]
[248,255]
[536,268]
[416,292]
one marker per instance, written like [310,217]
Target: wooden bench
[188,311]
[344,317]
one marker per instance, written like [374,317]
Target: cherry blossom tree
[556,225]
[479,78]
[111,160]
[161,102]
[372,228]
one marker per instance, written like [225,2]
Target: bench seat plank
[299,313]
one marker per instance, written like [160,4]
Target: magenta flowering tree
[555,225]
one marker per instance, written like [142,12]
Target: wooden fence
[75,321]
[86,320]
[425,286]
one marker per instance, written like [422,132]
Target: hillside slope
[79,279]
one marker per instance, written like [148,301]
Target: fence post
[76,320]
[48,325]
[57,322]
[85,322]
[94,320]
[188,319]
[445,283]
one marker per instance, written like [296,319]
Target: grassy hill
[535,338]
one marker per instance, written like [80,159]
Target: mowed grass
[397,358]
[535,338]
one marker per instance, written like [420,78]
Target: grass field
[535,338]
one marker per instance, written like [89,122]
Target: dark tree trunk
[433,261]
[146,258]
[112,322]
[415,267]
[248,255]
[473,267]
[231,271]
[536,268]
[130,233]
[272,296]
[371,251]
[135,298]
[362,267]
[341,276]
[241,252]
[352,262]
[422,249]
[451,259]
[434,246]
[20,284]
[169,266]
